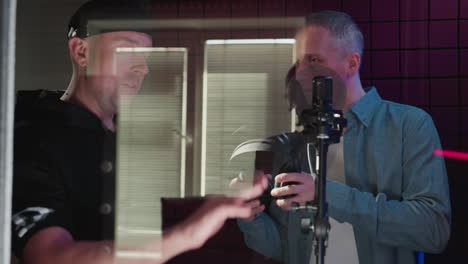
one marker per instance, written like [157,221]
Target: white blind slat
[245,100]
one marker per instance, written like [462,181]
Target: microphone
[321,115]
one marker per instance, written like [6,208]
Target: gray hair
[341,26]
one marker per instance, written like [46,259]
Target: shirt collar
[71,114]
[79,116]
[365,108]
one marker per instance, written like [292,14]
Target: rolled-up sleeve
[39,199]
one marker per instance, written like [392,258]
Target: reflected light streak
[451,154]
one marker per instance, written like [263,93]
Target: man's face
[319,55]
[110,73]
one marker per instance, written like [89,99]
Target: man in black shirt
[65,153]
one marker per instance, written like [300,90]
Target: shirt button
[105,209]
[106,166]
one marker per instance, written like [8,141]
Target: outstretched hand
[210,217]
[255,204]
[303,190]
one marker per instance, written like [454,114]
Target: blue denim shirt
[396,193]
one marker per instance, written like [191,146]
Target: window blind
[244,98]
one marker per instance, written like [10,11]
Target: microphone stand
[326,125]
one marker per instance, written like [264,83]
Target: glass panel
[244,99]
[151,150]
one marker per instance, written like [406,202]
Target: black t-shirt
[64,161]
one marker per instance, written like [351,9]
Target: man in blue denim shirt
[395,194]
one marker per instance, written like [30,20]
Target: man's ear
[78,50]
[354,62]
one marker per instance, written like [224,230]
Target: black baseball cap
[106,10]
